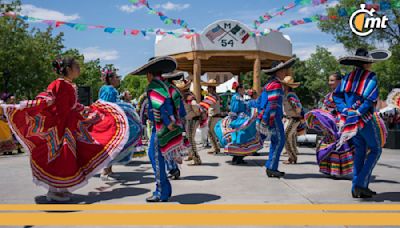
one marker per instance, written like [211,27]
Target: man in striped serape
[271,114]
[355,99]
[166,140]
[212,106]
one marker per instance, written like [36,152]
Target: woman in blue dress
[108,92]
[237,132]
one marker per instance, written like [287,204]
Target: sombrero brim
[284,65]
[292,85]
[375,56]
[355,60]
[174,75]
[209,84]
[186,86]
[161,65]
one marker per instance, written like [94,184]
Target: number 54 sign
[227,34]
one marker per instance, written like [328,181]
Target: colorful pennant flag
[164,18]
[343,12]
[106,29]
[268,16]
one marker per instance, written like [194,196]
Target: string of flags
[106,29]
[342,12]
[268,16]
[164,18]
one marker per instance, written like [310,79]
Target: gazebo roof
[225,46]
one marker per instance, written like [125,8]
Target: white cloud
[304,50]
[129,8]
[42,13]
[93,53]
[169,6]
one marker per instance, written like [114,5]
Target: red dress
[68,143]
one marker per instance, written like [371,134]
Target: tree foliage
[136,85]
[387,71]
[340,28]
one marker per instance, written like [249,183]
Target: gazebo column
[196,78]
[257,75]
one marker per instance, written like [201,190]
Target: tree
[387,71]
[25,56]
[341,30]
[313,73]
[136,85]
[90,72]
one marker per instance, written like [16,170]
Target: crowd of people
[68,143]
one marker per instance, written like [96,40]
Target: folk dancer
[271,114]
[211,105]
[67,142]
[294,114]
[166,140]
[355,99]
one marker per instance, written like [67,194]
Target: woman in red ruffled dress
[68,142]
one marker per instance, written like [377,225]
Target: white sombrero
[289,81]
[211,83]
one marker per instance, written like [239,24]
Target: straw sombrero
[278,65]
[176,75]
[211,83]
[183,85]
[164,64]
[289,81]
[362,56]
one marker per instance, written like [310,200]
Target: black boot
[234,160]
[154,199]
[358,192]
[240,160]
[175,174]
[274,173]
[372,192]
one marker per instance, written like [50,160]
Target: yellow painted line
[202,207]
[181,219]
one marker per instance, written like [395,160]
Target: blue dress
[237,132]
[110,94]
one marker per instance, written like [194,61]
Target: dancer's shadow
[199,178]
[212,164]
[126,178]
[389,166]
[385,196]
[307,163]
[194,198]
[295,176]
[249,162]
[129,178]
[138,163]
[374,179]
[95,197]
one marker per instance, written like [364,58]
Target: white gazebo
[225,46]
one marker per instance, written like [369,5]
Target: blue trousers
[163,186]
[366,138]
[277,144]
[171,165]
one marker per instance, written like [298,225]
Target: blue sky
[128,52]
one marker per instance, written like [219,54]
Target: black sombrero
[164,64]
[362,56]
[278,65]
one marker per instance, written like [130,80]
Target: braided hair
[60,65]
